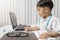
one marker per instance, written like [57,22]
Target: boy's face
[43,11]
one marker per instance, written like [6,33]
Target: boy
[48,25]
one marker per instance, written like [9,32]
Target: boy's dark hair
[45,3]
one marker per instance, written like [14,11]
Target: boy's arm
[34,28]
[56,28]
[49,34]
[53,34]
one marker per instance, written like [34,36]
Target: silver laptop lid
[13,19]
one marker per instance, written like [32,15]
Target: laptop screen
[13,19]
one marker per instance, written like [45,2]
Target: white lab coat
[54,25]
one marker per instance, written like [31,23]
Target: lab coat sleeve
[56,25]
[37,24]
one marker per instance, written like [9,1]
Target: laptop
[15,26]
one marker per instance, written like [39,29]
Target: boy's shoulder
[55,18]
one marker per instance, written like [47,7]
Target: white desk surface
[5,29]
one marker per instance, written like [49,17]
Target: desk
[30,37]
[9,29]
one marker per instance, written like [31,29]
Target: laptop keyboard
[20,28]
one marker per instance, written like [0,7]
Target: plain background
[25,11]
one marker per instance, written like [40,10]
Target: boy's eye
[38,9]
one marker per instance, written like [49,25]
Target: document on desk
[1,33]
[5,29]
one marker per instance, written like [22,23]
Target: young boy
[48,25]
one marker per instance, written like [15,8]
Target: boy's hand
[27,29]
[48,34]
[44,36]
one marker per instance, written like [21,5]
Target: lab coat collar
[45,18]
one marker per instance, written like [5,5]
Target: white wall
[4,9]
[17,6]
[24,9]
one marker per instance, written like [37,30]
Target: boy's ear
[46,9]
